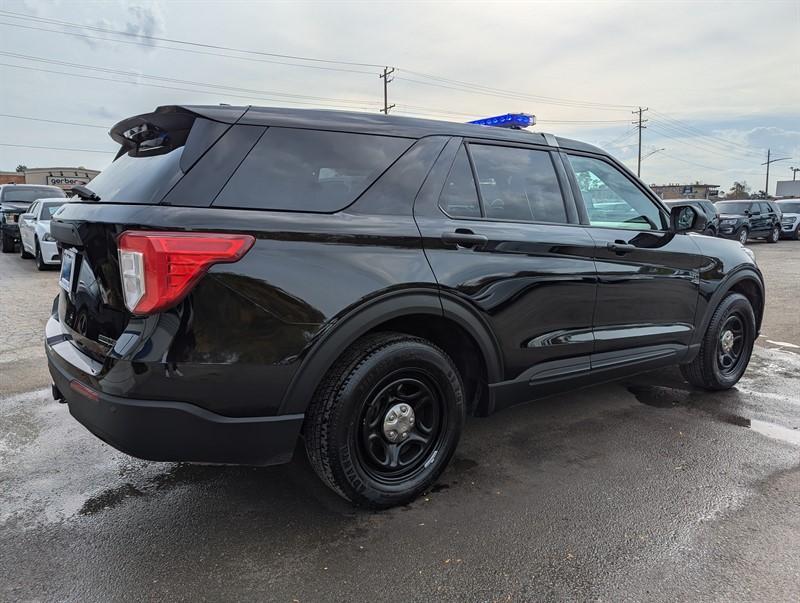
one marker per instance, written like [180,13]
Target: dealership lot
[634,490]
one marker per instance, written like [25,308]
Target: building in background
[686,191]
[62,177]
[788,188]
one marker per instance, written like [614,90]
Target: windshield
[49,208]
[790,208]
[730,207]
[29,194]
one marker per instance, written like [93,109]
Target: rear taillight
[159,268]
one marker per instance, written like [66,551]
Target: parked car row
[25,212]
[744,220]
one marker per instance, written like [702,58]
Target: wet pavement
[636,490]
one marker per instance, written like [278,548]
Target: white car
[790,221]
[34,233]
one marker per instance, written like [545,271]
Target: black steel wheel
[385,420]
[401,423]
[726,347]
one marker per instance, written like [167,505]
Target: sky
[721,80]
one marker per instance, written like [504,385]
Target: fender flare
[341,332]
[745,273]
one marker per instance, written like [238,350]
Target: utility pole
[639,123]
[769,161]
[794,173]
[386,79]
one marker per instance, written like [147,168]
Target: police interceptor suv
[240,277]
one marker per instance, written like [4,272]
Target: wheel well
[456,343]
[752,292]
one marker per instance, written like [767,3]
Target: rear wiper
[84,193]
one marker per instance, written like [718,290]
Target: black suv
[742,220]
[704,206]
[15,199]
[368,281]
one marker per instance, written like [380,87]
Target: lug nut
[404,436]
[392,435]
[404,409]
[392,416]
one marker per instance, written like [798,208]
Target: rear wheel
[775,235]
[385,420]
[8,244]
[743,234]
[726,347]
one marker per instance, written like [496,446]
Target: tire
[8,244]
[742,236]
[22,253]
[709,232]
[796,234]
[775,235]
[349,422]
[708,370]
[40,265]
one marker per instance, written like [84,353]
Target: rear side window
[518,184]
[309,170]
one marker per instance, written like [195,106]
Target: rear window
[138,179]
[29,194]
[309,170]
[48,209]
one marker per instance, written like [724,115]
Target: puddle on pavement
[109,498]
[665,397]
[776,432]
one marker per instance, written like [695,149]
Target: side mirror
[26,217]
[684,218]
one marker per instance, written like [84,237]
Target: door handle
[464,237]
[621,247]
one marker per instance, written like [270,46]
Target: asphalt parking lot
[638,490]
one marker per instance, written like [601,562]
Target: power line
[681,125]
[699,139]
[512,96]
[30,146]
[27,17]
[512,92]
[189,50]
[175,80]
[681,140]
[54,121]
[227,95]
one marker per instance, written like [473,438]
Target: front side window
[612,200]
[309,170]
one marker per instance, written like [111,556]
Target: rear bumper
[167,430]
[10,230]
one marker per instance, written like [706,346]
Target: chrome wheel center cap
[727,341]
[398,422]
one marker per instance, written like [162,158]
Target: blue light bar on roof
[509,120]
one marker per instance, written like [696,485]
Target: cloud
[142,22]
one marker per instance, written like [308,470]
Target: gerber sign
[66,181]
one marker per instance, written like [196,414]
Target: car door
[27,224]
[501,233]
[648,277]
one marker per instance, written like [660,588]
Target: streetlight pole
[794,173]
[767,163]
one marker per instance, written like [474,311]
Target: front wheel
[774,235]
[385,420]
[22,253]
[726,347]
[40,265]
[743,235]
